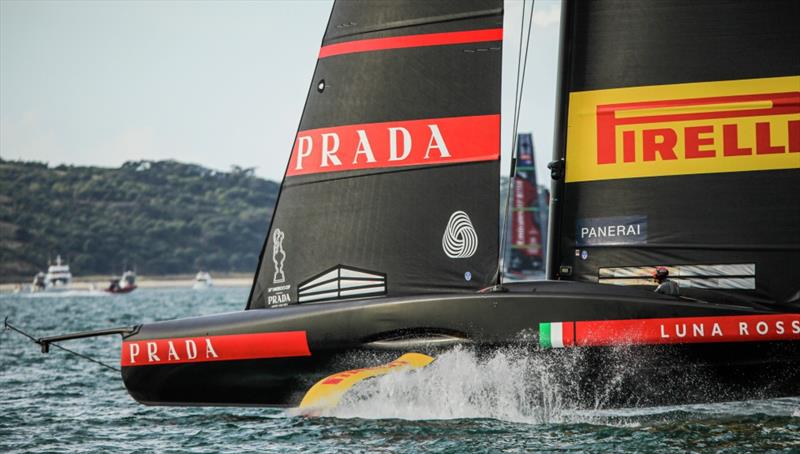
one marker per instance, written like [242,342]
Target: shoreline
[145,281]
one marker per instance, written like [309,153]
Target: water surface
[62,403]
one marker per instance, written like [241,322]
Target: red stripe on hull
[215,348]
[402,42]
[568,334]
[434,141]
[688,330]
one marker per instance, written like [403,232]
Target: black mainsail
[681,141]
[385,191]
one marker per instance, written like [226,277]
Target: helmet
[660,273]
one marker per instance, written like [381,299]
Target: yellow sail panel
[682,129]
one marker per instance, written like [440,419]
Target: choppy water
[61,403]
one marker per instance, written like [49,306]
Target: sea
[60,402]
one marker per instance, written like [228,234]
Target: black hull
[362,333]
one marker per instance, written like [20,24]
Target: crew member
[665,285]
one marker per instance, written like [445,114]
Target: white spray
[510,385]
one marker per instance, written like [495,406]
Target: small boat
[202,281]
[57,278]
[38,284]
[124,284]
[58,275]
[677,152]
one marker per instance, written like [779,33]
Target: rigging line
[522,82]
[519,99]
[7,326]
[504,226]
[521,66]
[97,361]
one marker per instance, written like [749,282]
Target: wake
[511,385]
[521,386]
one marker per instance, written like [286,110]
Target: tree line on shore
[159,217]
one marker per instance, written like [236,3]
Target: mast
[556,166]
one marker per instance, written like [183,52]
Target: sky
[206,82]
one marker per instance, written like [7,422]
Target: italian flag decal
[556,334]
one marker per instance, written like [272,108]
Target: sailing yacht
[677,148]
[525,254]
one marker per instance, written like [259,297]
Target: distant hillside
[161,217]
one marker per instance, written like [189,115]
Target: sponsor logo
[278,256]
[460,241]
[279,296]
[731,328]
[434,141]
[215,348]
[708,127]
[611,231]
[369,371]
[341,282]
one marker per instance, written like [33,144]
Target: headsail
[681,136]
[392,186]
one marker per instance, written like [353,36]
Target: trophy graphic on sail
[278,256]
